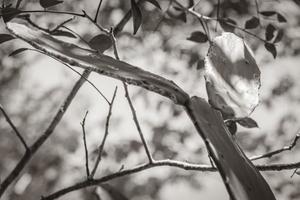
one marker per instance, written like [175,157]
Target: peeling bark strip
[241,178]
[99,63]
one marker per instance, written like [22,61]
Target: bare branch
[85,146]
[137,124]
[40,141]
[14,128]
[170,163]
[278,151]
[101,147]
[97,12]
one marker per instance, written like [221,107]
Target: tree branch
[9,121]
[85,146]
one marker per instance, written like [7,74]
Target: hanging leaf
[49,3]
[100,43]
[232,76]
[198,36]
[278,36]
[5,38]
[9,13]
[270,30]
[268,13]
[227,24]
[155,3]
[136,15]
[17,51]
[281,18]
[63,33]
[200,64]
[247,122]
[252,23]
[271,48]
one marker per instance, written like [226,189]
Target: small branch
[137,124]
[9,121]
[97,25]
[98,9]
[63,23]
[294,172]
[85,146]
[101,147]
[169,163]
[272,153]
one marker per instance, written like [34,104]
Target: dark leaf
[177,8]
[226,24]
[268,13]
[136,15]
[271,48]
[278,36]
[198,36]
[252,23]
[191,3]
[182,17]
[9,13]
[231,126]
[247,122]
[100,43]
[5,38]
[270,30]
[281,18]
[49,3]
[17,51]
[297,2]
[18,3]
[155,3]
[63,33]
[200,64]
[297,172]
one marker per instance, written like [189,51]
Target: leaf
[5,38]
[226,24]
[17,51]
[100,43]
[252,23]
[155,3]
[182,17]
[271,48]
[270,30]
[231,126]
[49,3]
[136,15]
[63,33]
[281,18]
[278,36]
[191,3]
[232,76]
[200,64]
[247,122]
[9,13]
[268,13]
[198,36]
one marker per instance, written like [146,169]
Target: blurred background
[33,86]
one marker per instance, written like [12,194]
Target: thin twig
[101,147]
[137,124]
[294,172]
[97,12]
[85,146]
[9,121]
[170,163]
[278,151]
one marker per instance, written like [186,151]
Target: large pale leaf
[242,180]
[232,76]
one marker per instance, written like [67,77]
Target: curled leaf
[17,51]
[136,15]
[252,23]
[49,3]
[5,38]
[198,36]
[100,43]
[271,48]
[154,2]
[232,76]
